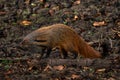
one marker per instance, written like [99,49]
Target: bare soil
[18,63]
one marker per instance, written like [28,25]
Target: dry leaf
[75,17]
[27,2]
[77,2]
[30,68]
[117,32]
[118,23]
[25,23]
[46,5]
[86,68]
[102,23]
[74,76]
[55,79]
[48,67]
[60,67]
[51,12]
[2,13]
[32,63]
[41,0]
[101,70]
[7,77]
[56,8]
[111,78]
[8,72]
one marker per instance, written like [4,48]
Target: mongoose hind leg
[75,55]
[42,52]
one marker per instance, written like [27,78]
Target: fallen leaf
[60,67]
[118,23]
[41,0]
[33,4]
[77,2]
[56,8]
[8,72]
[25,23]
[74,76]
[86,68]
[30,68]
[46,5]
[2,13]
[102,23]
[101,70]
[7,77]
[48,67]
[55,79]
[51,12]
[111,78]
[32,63]
[75,17]
[27,2]
[117,32]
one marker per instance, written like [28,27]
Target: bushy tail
[87,51]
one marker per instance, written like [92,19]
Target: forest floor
[97,21]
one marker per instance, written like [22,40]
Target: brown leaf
[74,76]
[2,13]
[51,12]
[55,8]
[102,23]
[27,2]
[25,23]
[86,68]
[31,63]
[46,5]
[118,23]
[7,77]
[8,72]
[111,78]
[60,67]
[30,68]
[117,32]
[75,17]
[48,67]
[77,2]
[101,70]
[41,0]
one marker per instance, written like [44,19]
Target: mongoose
[63,37]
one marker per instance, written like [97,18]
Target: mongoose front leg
[48,52]
[64,53]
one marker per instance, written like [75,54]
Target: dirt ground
[97,21]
